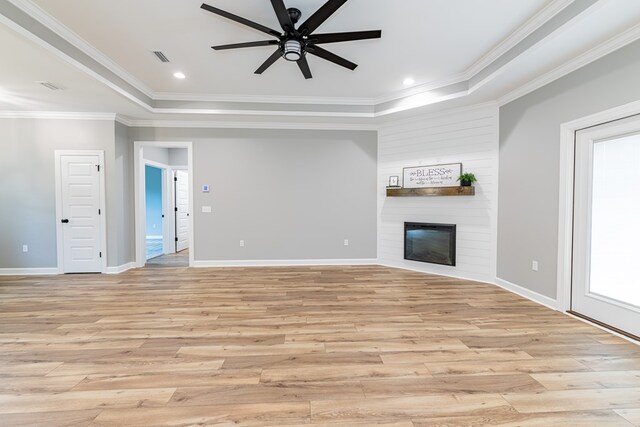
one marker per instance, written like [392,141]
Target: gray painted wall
[178,156]
[166,156]
[291,195]
[156,154]
[125,195]
[27,190]
[530,157]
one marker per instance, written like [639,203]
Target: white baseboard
[284,263]
[528,294]
[28,271]
[120,268]
[402,266]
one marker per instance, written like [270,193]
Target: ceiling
[457,51]
[428,40]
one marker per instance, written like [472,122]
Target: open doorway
[154,212]
[164,225]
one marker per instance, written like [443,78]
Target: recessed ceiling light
[408,81]
[179,75]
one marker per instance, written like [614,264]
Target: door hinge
[99,212]
[175,178]
[176,209]
[98,166]
[176,239]
[100,254]
[162,215]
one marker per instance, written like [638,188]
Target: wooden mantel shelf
[436,191]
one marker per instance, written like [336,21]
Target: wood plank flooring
[327,346]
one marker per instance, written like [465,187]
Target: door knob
[65,221]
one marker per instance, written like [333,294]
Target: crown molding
[420,102]
[245,125]
[413,117]
[261,99]
[36,12]
[61,115]
[421,89]
[511,41]
[576,63]
[518,35]
[57,115]
[526,35]
[280,113]
[69,60]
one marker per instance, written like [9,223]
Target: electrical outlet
[242,243]
[534,265]
[346,242]
[25,248]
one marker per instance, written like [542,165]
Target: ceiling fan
[294,43]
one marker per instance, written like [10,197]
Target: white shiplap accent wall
[468,136]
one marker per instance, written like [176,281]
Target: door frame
[103,205]
[566,192]
[139,190]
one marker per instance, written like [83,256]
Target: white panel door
[81,210]
[606,283]
[182,212]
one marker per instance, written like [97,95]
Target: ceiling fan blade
[304,67]
[269,62]
[321,15]
[241,45]
[283,15]
[332,57]
[240,20]
[344,37]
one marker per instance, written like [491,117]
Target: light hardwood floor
[356,346]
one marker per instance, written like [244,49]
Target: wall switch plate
[25,248]
[346,242]
[242,243]
[534,265]
[206,209]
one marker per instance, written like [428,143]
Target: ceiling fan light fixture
[292,50]
[295,41]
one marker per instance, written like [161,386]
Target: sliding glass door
[606,243]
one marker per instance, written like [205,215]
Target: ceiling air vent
[161,56]
[49,85]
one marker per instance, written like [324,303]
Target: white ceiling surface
[597,25]
[30,63]
[82,93]
[428,40]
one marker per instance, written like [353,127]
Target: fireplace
[431,243]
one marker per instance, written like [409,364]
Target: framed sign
[432,176]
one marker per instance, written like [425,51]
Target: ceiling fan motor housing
[294,14]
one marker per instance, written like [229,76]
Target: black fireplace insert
[431,243]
